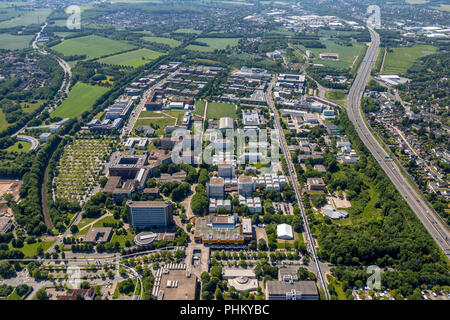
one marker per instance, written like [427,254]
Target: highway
[65,85]
[430,219]
[310,241]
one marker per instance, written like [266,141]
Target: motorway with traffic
[310,241]
[420,207]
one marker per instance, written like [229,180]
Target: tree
[41,294]
[262,245]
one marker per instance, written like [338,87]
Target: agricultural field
[10,42]
[400,59]
[132,58]
[81,165]
[347,54]
[187,31]
[26,18]
[213,44]
[81,98]
[217,110]
[170,42]
[92,46]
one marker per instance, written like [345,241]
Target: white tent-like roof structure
[284,231]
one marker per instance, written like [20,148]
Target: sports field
[132,58]
[347,54]
[92,46]
[10,42]
[170,42]
[217,110]
[213,44]
[81,98]
[398,61]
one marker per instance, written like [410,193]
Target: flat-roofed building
[226,170]
[147,214]
[215,188]
[226,123]
[316,184]
[245,185]
[247,229]
[98,235]
[219,230]
[293,290]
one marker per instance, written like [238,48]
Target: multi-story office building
[147,214]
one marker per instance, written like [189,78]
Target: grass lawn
[217,110]
[347,54]
[12,296]
[92,46]
[161,123]
[398,61]
[81,98]
[109,219]
[10,42]
[30,250]
[132,58]
[15,147]
[3,123]
[122,238]
[337,96]
[37,16]
[170,42]
[213,44]
[200,107]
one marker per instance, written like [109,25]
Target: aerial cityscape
[224,150]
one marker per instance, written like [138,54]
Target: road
[430,220]
[293,175]
[65,85]
[128,128]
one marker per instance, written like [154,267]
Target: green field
[15,147]
[398,61]
[200,107]
[217,110]
[27,18]
[11,42]
[132,58]
[161,123]
[336,96]
[92,46]
[170,42]
[30,250]
[81,98]
[347,54]
[213,44]
[187,31]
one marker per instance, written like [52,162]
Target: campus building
[147,214]
[221,230]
